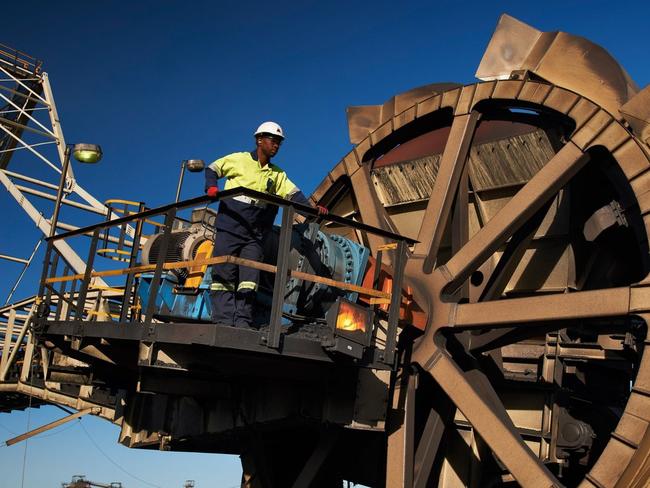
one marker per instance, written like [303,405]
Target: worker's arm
[211,178]
[299,197]
[214,171]
[286,189]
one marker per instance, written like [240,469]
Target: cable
[22,480]
[29,413]
[113,462]
[7,429]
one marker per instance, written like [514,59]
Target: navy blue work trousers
[232,293]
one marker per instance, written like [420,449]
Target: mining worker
[243,222]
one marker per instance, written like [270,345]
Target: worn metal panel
[407,99]
[362,148]
[362,120]
[465,100]
[639,405]
[404,118]
[632,428]
[594,127]
[382,131]
[637,112]
[643,376]
[582,112]
[612,137]
[563,59]
[406,182]
[507,89]
[450,98]
[616,457]
[407,222]
[561,100]
[641,183]
[639,302]
[351,162]
[428,105]
[508,161]
[508,49]
[531,91]
[644,202]
[338,171]
[483,91]
[534,92]
[429,143]
[631,159]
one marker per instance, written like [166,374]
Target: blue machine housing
[312,251]
[171,305]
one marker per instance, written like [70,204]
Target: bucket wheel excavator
[500,234]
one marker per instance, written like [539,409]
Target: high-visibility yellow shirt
[242,216]
[241,170]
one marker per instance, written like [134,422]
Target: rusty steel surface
[420,156]
[569,61]
[636,111]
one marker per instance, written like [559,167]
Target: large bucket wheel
[532,265]
[595,303]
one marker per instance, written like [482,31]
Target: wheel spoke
[440,415]
[559,307]
[522,207]
[371,210]
[438,209]
[491,421]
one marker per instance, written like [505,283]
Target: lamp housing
[195,165]
[87,153]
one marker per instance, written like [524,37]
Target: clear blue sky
[155,82]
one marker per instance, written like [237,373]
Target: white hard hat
[270,128]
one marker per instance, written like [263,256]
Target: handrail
[20,59]
[302,209]
[270,336]
[269,268]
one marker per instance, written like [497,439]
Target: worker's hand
[322,210]
[212,191]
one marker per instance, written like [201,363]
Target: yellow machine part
[196,273]
[115,254]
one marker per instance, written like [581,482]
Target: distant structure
[80,481]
